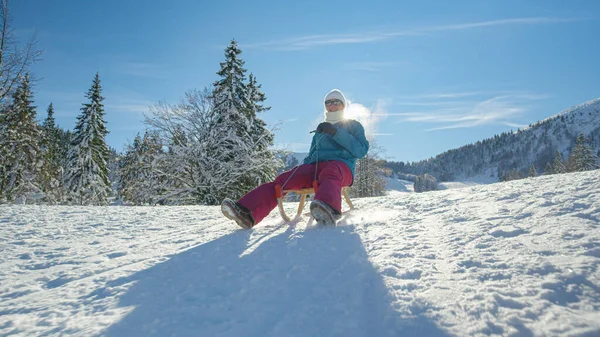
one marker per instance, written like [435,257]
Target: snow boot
[323,213]
[238,213]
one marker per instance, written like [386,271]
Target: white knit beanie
[334,116]
[336,94]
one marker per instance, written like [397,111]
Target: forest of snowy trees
[210,145]
[44,163]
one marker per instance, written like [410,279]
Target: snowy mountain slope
[517,258]
[393,184]
[584,117]
[534,145]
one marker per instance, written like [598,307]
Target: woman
[335,147]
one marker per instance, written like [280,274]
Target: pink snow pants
[332,176]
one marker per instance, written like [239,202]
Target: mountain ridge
[534,145]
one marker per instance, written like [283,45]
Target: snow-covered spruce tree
[238,137]
[548,170]
[139,181]
[20,148]
[582,157]
[558,165]
[52,171]
[153,182]
[66,139]
[86,177]
[262,137]
[128,171]
[532,172]
[114,162]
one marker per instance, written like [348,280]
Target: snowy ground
[519,258]
[399,185]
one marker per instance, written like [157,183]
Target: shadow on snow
[313,283]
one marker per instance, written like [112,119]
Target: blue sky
[424,76]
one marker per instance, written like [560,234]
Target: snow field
[508,259]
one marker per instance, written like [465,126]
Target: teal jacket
[348,145]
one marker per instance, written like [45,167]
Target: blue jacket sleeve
[354,140]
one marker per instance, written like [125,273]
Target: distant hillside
[535,145]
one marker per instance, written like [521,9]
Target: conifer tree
[139,182]
[239,139]
[114,162]
[262,137]
[87,169]
[548,169]
[128,170]
[532,172]
[558,165]
[230,94]
[20,147]
[66,139]
[51,174]
[582,157]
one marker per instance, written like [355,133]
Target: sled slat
[280,194]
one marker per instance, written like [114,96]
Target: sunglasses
[334,102]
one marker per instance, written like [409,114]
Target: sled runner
[279,193]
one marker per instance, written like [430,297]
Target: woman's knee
[280,179]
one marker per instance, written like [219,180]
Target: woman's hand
[326,127]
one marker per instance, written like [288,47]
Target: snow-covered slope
[584,117]
[393,184]
[519,258]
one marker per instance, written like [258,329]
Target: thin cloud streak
[497,110]
[452,95]
[307,42]
[312,41]
[435,103]
[515,125]
[445,95]
[500,22]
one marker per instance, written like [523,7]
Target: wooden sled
[280,194]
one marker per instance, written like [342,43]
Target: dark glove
[327,128]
